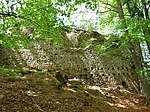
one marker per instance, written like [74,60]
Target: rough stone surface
[83,63]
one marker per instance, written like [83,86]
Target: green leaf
[1,41]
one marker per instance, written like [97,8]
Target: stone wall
[83,63]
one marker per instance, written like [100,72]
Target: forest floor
[39,93]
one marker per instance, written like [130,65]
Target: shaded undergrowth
[38,92]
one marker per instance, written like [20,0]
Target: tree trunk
[134,47]
[136,53]
[146,31]
[121,15]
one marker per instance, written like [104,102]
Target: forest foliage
[22,21]
[127,22]
[44,17]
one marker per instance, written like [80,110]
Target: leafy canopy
[46,17]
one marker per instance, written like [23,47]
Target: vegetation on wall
[23,21]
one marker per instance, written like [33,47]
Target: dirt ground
[31,93]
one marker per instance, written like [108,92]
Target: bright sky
[84,18]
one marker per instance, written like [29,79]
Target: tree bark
[134,47]
[121,15]
[136,53]
[146,31]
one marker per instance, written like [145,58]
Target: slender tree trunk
[134,50]
[146,31]
[134,47]
[121,15]
[136,53]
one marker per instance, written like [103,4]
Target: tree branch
[108,11]
[17,16]
[23,17]
[12,15]
[4,14]
[110,5]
